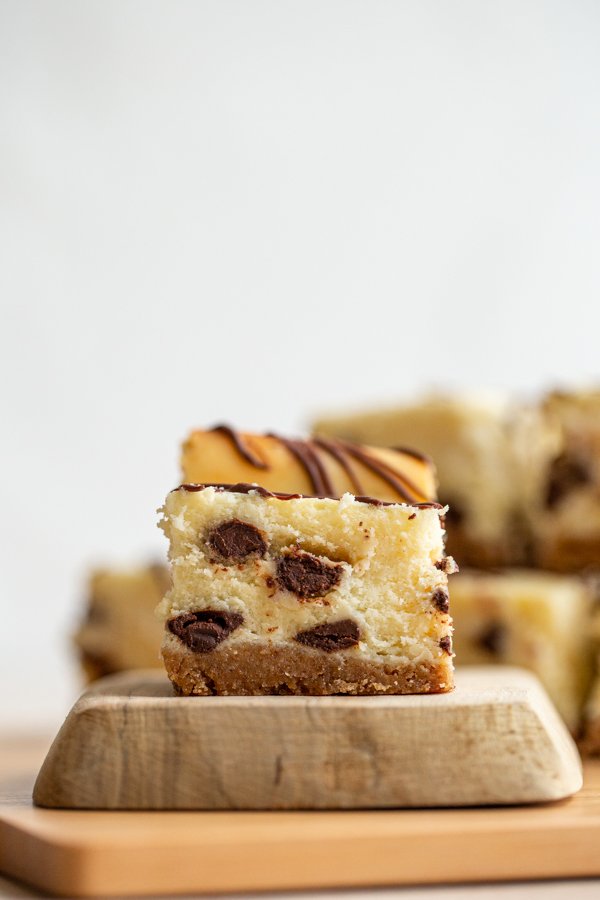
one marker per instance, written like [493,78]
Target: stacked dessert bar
[119,630]
[523,486]
[305,567]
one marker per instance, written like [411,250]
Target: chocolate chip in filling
[446,644]
[440,600]
[447,565]
[456,514]
[566,473]
[493,639]
[202,631]
[306,575]
[331,636]
[236,541]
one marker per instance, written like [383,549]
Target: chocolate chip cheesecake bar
[591,735]
[537,620]
[591,739]
[278,593]
[565,515]
[119,630]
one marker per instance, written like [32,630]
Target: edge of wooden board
[88,854]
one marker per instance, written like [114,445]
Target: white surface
[256,210]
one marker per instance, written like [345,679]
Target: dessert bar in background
[536,620]
[591,727]
[276,594]
[565,517]
[591,737]
[523,484]
[119,630]
[483,450]
[522,480]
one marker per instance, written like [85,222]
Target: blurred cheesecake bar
[591,742]
[277,593]
[120,630]
[537,620]
[472,443]
[565,516]
[591,739]
[319,467]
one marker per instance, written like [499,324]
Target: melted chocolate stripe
[305,454]
[416,454]
[242,487]
[338,454]
[244,451]
[246,488]
[395,479]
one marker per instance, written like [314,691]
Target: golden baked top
[318,467]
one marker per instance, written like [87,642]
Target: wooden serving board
[129,743]
[103,854]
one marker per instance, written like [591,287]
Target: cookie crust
[261,667]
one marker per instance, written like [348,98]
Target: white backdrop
[252,211]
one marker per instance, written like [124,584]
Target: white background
[253,211]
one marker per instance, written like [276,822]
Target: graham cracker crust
[253,667]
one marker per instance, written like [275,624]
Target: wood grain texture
[87,854]
[130,744]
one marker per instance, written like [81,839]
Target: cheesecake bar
[591,741]
[277,593]
[319,467]
[565,517]
[470,442]
[120,630]
[537,620]
[591,738]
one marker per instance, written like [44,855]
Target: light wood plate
[82,853]
[129,743]
[104,854]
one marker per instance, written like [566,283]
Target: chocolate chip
[331,636]
[235,540]
[100,665]
[306,575]
[456,513]
[566,473]
[96,615]
[493,639]
[446,644]
[440,600]
[201,631]
[447,564]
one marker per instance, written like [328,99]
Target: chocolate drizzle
[338,454]
[344,453]
[236,439]
[242,487]
[305,453]
[416,454]
[245,488]
[315,456]
[396,480]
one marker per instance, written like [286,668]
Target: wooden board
[129,743]
[75,853]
